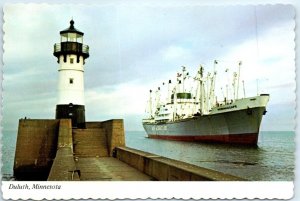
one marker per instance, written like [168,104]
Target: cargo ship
[194,113]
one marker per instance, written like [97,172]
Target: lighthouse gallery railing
[71,47]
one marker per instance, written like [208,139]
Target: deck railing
[71,47]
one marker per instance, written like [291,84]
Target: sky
[137,48]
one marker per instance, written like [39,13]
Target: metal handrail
[85,49]
[57,47]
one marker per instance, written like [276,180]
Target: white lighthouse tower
[71,54]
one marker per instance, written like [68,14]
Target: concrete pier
[108,169]
[85,154]
[35,149]
[52,150]
[166,169]
[64,167]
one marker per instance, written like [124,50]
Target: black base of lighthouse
[74,112]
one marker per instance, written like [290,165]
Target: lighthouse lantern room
[71,54]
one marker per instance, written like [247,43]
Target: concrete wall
[99,138]
[114,133]
[90,142]
[64,168]
[93,124]
[35,149]
[165,169]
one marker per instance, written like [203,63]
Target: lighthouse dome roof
[71,29]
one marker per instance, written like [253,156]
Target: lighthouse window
[71,80]
[72,37]
[71,60]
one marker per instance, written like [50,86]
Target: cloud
[127,98]
[136,48]
[176,53]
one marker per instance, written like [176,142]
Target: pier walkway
[84,154]
[108,169]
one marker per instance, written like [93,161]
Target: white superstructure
[70,80]
[199,98]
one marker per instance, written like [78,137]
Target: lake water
[272,160]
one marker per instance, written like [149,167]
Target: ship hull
[235,127]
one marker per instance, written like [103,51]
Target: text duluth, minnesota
[34,186]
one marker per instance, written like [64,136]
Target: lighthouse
[71,54]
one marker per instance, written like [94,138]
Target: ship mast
[212,85]
[175,102]
[208,87]
[244,89]
[238,80]
[157,98]
[227,85]
[201,89]
[150,104]
[169,92]
[215,75]
[184,76]
[233,85]
[236,84]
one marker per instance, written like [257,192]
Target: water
[9,139]
[272,160]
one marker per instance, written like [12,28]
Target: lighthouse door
[74,112]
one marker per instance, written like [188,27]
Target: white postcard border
[144,190]
[84,190]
